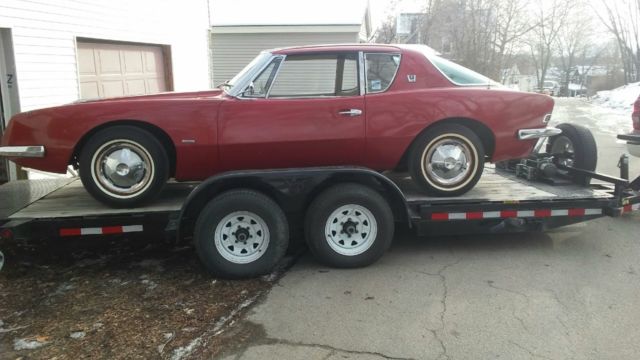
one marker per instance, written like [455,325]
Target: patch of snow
[150,284]
[184,351]
[621,98]
[27,344]
[78,334]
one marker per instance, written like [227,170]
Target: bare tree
[573,41]
[549,17]
[622,19]
[386,33]
[511,26]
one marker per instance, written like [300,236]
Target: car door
[301,110]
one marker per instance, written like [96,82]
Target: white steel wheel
[446,160]
[240,234]
[351,230]
[241,237]
[349,225]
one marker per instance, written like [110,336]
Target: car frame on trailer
[240,222]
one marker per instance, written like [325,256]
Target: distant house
[512,78]
[238,36]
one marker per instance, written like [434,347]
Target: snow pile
[621,98]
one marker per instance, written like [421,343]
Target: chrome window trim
[252,76]
[310,96]
[393,79]
[361,73]
[275,76]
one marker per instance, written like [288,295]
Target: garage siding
[45,33]
[231,52]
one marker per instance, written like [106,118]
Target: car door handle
[350,112]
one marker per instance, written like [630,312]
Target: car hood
[159,96]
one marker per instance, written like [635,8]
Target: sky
[294,12]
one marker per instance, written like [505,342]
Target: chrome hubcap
[351,230]
[563,149]
[122,168]
[448,161]
[241,237]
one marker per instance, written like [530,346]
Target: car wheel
[123,166]
[349,226]
[574,147]
[446,160]
[241,233]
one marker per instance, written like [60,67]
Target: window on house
[381,70]
[317,75]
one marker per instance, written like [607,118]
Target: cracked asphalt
[569,293]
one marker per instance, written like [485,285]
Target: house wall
[44,37]
[232,51]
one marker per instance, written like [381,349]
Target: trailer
[240,222]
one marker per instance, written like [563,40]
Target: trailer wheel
[241,233]
[349,226]
[575,147]
[447,160]
[123,166]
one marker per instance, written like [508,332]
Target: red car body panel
[213,132]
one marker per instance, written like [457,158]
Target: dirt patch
[124,300]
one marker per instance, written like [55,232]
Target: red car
[385,107]
[633,145]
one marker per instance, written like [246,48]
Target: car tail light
[636,114]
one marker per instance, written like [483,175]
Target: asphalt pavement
[569,293]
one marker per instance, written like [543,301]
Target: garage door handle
[351,112]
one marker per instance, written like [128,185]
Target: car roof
[368,47]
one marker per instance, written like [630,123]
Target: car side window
[317,75]
[381,70]
[259,87]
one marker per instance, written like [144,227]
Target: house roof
[288,12]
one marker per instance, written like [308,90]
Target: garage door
[109,70]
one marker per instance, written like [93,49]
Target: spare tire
[574,147]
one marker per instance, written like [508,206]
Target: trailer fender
[292,189]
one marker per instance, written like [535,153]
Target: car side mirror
[249,91]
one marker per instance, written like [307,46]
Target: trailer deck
[67,198]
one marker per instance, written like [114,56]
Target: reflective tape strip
[593,211]
[537,213]
[105,230]
[491,214]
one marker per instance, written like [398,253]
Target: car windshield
[246,70]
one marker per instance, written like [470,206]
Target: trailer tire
[240,234]
[575,147]
[456,173]
[348,226]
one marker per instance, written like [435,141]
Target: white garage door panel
[111,70]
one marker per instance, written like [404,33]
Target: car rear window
[459,74]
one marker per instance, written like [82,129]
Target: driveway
[570,293]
